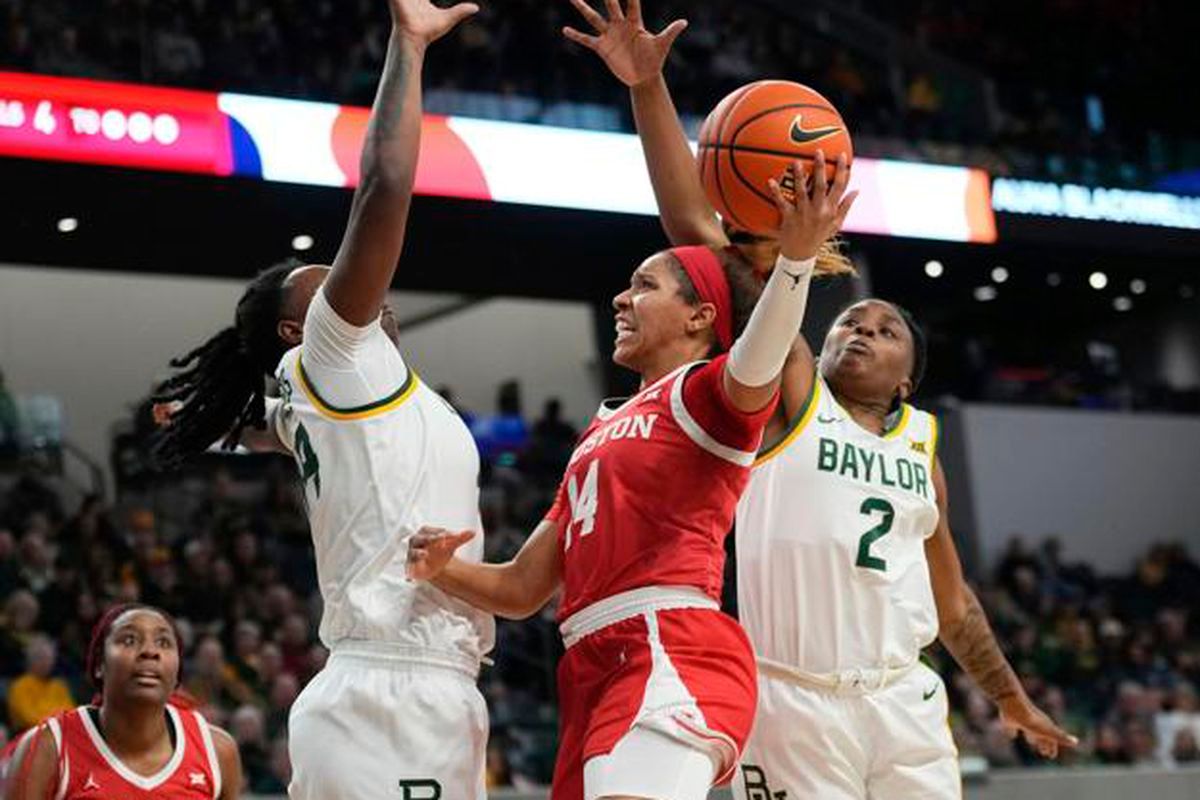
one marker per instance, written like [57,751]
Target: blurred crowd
[225,547]
[1022,106]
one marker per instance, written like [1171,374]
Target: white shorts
[372,725]
[816,745]
[646,763]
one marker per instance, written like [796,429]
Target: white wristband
[757,357]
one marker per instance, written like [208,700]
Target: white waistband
[851,681]
[405,655]
[635,602]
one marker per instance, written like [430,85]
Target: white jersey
[831,533]
[381,454]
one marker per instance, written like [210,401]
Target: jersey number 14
[584,501]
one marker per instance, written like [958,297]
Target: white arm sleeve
[758,355]
[350,366]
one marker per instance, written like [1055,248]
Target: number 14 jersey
[649,493]
[831,536]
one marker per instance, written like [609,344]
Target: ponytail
[222,387]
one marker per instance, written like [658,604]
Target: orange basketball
[755,134]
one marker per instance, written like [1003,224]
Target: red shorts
[688,673]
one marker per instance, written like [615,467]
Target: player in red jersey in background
[139,741]
[657,688]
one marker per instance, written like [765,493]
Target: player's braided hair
[744,288]
[222,385]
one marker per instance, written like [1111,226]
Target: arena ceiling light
[1137,286]
[999,275]
[67,225]
[934,269]
[302,242]
[1053,279]
[985,294]
[1097,280]
[1122,303]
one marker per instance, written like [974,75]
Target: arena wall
[1107,484]
[98,340]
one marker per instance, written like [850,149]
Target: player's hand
[163,413]
[816,208]
[632,53]
[423,23]
[430,550]
[1022,717]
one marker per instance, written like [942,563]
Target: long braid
[222,387]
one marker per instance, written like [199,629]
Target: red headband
[708,276]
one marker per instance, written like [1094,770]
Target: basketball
[755,134]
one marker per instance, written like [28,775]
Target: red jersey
[90,771]
[650,492]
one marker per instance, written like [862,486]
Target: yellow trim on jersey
[383,406]
[810,408]
[934,430]
[905,415]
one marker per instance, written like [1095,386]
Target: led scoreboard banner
[225,134]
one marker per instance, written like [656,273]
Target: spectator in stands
[1182,718]
[21,611]
[211,680]
[37,694]
[503,435]
[10,422]
[248,729]
[1185,751]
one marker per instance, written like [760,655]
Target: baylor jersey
[831,534]
[373,475]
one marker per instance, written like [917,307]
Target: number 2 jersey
[831,537]
[649,493]
[381,454]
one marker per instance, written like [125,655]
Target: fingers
[844,207]
[590,42]
[458,13]
[591,15]
[776,190]
[820,181]
[670,33]
[614,10]
[841,177]
[633,12]
[457,540]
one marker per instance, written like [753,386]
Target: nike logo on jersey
[930,693]
[801,135]
[824,420]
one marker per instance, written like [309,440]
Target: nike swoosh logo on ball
[800,135]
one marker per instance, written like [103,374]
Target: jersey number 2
[310,467]
[583,502]
[869,506]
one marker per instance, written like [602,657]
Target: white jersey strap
[210,751]
[743,458]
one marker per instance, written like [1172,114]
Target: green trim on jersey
[394,400]
[796,426]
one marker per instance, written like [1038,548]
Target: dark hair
[745,287]
[95,651]
[223,383]
[920,345]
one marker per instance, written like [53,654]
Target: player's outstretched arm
[636,57]
[33,770]
[515,589]
[965,632]
[230,762]
[370,249]
[810,217]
